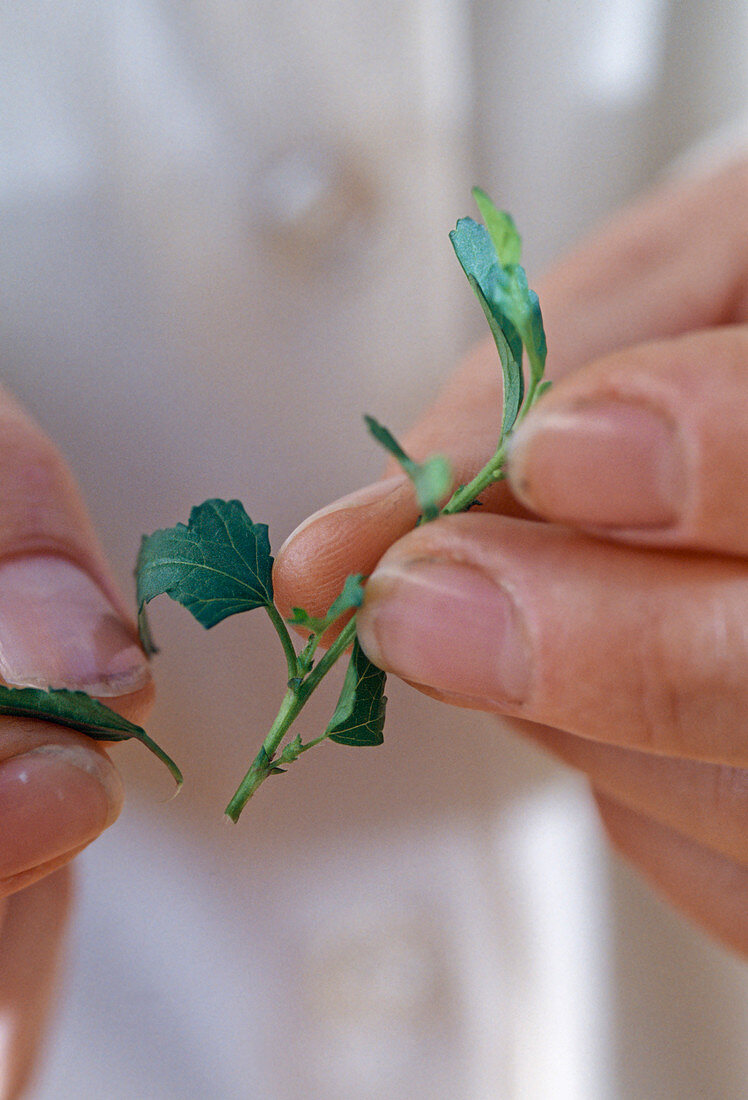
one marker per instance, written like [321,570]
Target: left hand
[615,632]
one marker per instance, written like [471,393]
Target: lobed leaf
[216,565]
[359,715]
[79,711]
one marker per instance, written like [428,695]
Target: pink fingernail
[607,464]
[448,626]
[57,629]
[54,799]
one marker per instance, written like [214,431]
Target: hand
[614,630]
[62,624]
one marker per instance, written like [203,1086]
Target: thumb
[351,534]
[637,279]
[63,624]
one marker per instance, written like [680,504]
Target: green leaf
[216,565]
[523,308]
[80,712]
[477,255]
[351,595]
[386,438]
[291,752]
[359,715]
[432,479]
[501,228]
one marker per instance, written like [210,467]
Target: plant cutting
[219,563]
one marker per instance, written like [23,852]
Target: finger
[647,445]
[58,792]
[673,262]
[63,621]
[535,621]
[708,888]
[31,936]
[706,802]
[62,624]
[638,279]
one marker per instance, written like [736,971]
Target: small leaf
[216,565]
[359,715]
[477,256]
[501,228]
[386,438]
[291,752]
[431,479]
[80,712]
[523,308]
[351,595]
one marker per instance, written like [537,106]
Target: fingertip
[348,536]
[55,798]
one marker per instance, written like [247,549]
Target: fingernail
[57,629]
[607,464]
[447,626]
[382,496]
[54,799]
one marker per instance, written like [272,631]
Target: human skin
[636,595]
[62,623]
[599,600]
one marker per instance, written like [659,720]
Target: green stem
[262,764]
[466,494]
[288,647]
[339,646]
[300,690]
[493,471]
[293,701]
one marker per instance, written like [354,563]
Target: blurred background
[224,237]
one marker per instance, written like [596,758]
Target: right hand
[627,663]
[62,624]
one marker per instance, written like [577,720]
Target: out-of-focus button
[315,205]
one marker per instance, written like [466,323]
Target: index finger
[675,261]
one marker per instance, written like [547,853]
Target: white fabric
[225,237]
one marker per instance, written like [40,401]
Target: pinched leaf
[80,712]
[359,715]
[351,596]
[431,479]
[501,229]
[216,565]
